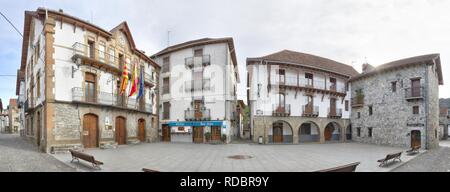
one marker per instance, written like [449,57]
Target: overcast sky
[347,31]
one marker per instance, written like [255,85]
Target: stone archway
[308,132]
[332,132]
[280,132]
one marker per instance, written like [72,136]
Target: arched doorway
[308,132]
[281,132]
[332,132]
[121,130]
[90,131]
[348,132]
[415,138]
[141,130]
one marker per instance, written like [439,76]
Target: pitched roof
[309,60]
[405,62]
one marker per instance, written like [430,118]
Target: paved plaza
[187,157]
[18,155]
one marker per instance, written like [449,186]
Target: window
[394,86]
[358,131]
[91,50]
[112,55]
[370,110]
[415,110]
[38,82]
[89,87]
[309,78]
[166,85]
[281,75]
[166,110]
[101,51]
[346,105]
[369,131]
[333,83]
[180,128]
[359,115]
[166,64]
[198,53]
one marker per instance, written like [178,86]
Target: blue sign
[196,123]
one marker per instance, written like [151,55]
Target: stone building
[444,123]
[13,117]
[396,103]
[4,122]
[297,97]
[198,90]
[71,84]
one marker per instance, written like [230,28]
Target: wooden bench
[413,150]
[76,155]
[344,168]
[148,170]
[392,156]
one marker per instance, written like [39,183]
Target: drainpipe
[426,106]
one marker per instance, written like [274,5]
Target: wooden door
[415,138]
[198,109]
[277,133]
[328,133]
[332,107]
[141,131]
[121,131]
[166,133]
[197,135]
[415,88]
[90,131]
[215,134]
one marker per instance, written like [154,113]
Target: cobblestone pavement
[436,160]
[170,157]
[18,155]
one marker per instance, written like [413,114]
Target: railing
[109,99]
[96,54]
[193,85]
[202,114]
[304,82]
[283,109]
[195,62]
[414,93]
[309,110]
[358,100]
[335,113]
[29,104]
[149,78]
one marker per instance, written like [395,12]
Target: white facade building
[296,97]
[198,90]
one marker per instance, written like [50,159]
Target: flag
[133,81]
[141,85]
[124,84]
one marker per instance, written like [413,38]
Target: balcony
[107,99]
[197,62]
[29,104]
[310,111]
[149,108]
[336,113]
[149,79]
[192,85]
[197,115]
[281,110]
[357,101]
[307,84]
[83,54]
[414,93]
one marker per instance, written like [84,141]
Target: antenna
[92,16]
[168,38]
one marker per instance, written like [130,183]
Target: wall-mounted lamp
[78,63]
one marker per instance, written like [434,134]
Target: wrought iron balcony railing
[358,100]
[308,83]
[336,113]
[414,93]
[194,85]
[197,115]
[80,49]
[310,110]
[281,110]
[196,62]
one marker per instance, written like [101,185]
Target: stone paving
[182,157]
[436,160]
[18,155]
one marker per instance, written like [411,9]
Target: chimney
[367,68]
[61,11]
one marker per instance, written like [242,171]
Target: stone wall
[392,119]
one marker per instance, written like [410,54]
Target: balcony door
[415,87]
[309,104]
[333,107]
[89,87]
[91,49]
[280,103]
[333,84]
[198,109]
[309,79]
[281,76]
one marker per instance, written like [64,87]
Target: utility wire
[11,24]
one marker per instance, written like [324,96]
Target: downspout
[426,106]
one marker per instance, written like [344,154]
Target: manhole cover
[240,157]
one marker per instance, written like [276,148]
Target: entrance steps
[65,148]
[108,145]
